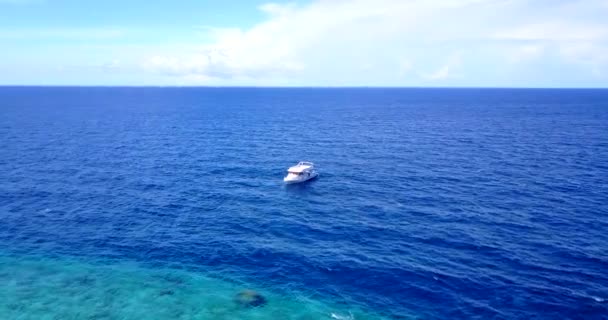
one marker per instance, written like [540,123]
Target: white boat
[303,171]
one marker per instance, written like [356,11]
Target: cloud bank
[399,42]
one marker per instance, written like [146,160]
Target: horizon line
[289,87]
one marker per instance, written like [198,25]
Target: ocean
[166,203]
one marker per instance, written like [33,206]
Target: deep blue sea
[165,203]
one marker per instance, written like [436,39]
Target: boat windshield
[296,173]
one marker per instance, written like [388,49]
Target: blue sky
[488,43]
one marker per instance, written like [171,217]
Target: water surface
[431,203]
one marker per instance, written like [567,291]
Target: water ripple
[431,203]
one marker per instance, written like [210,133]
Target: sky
[420,43]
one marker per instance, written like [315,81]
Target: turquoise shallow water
[41,288]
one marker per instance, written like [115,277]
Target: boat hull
[300,180]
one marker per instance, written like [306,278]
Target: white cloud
[578,43]
[446,71]
[404,67]
[348,42]
[525,52]
[590,55]
[557,31]
[441,74]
